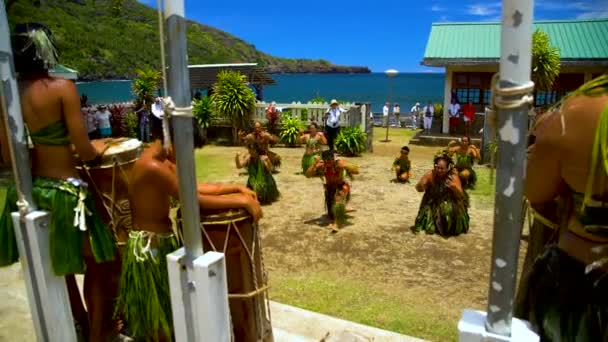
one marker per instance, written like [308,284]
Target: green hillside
[102,43]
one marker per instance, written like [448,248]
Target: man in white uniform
[428,111]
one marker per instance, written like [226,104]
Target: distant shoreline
[282,74]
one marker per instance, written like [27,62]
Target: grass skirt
[275,159]
[307,161]
[443,213]
[469,183]
[262,182]
[565,304]
[336,199]
[144,300]
[60,198]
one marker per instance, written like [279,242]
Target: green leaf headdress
[38,37]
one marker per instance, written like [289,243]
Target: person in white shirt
[415,112]
[91,122]
[396,112]
[454,113]
[385,111]
[103,120]
[428,111]
[156,119]
[332,122]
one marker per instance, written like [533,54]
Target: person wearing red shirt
[468,111]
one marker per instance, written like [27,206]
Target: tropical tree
[233,99]
[545,61]
[144,86]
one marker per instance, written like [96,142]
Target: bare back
[149,193]
[45,101]
[561,156]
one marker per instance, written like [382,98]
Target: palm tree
[545,61]
[233,100]
[144,86]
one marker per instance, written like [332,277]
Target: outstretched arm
[223,189]
[350,168]
[425,181]
[313,169]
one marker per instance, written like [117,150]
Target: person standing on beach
[396,112]
[103,119]
[332,122]
[91,123]
[468,111]
[428,111]
[385,113]
[144,124]
[415,112]
[156,120]
[454,113]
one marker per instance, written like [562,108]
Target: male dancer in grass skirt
[262,140]
[566,295]
[144,299]
[443,209]
[464,154]
[337,190]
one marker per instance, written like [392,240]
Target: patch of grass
[398,134]
[211,166]
[360,302]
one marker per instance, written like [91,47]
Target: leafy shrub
[131,125]
[438,107]
[351,141]
[117,120]
[291,130]
[202,111]
[233,99]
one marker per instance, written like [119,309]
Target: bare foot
[334,228]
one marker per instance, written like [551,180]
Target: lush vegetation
[545,61]
[110,39]
[144,87]
[233,100]
[203,111]
[291,129]
[351,141]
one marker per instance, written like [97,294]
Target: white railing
[307,112]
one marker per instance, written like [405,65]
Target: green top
[404,164]
[576,40]
[53,134]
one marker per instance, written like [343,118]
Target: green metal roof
[577,40]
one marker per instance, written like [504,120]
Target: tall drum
[233,233]
[109,182]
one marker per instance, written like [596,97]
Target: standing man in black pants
[332,122]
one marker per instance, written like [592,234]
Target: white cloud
[580,9]
[443,19]
[437,8]
[484,9]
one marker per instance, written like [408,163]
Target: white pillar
[447,97]
[587,77]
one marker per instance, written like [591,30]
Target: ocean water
[407,89]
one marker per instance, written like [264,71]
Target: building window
[463,95]
[487,97]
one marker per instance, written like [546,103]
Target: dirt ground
[376,247]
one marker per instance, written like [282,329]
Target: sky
[379,34]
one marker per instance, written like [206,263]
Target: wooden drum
[233,233]
[109,183]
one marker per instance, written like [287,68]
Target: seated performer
[566,295]
[443,209]
[313,140]
[144,299]
[262,140]
[464,155]
[403,166]
[337,190]
[79,241]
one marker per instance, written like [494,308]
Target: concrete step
[290,323]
